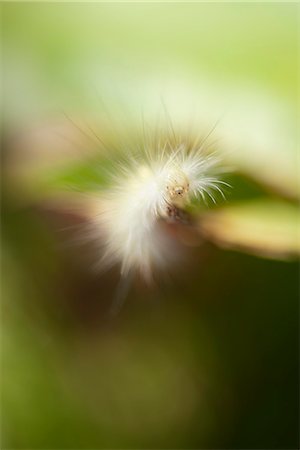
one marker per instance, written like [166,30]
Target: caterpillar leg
[175,214]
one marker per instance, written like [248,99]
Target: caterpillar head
[177,187]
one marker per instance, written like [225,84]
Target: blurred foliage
[209,357]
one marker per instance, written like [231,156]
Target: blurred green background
[208,359]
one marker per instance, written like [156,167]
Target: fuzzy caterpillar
[144,191]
